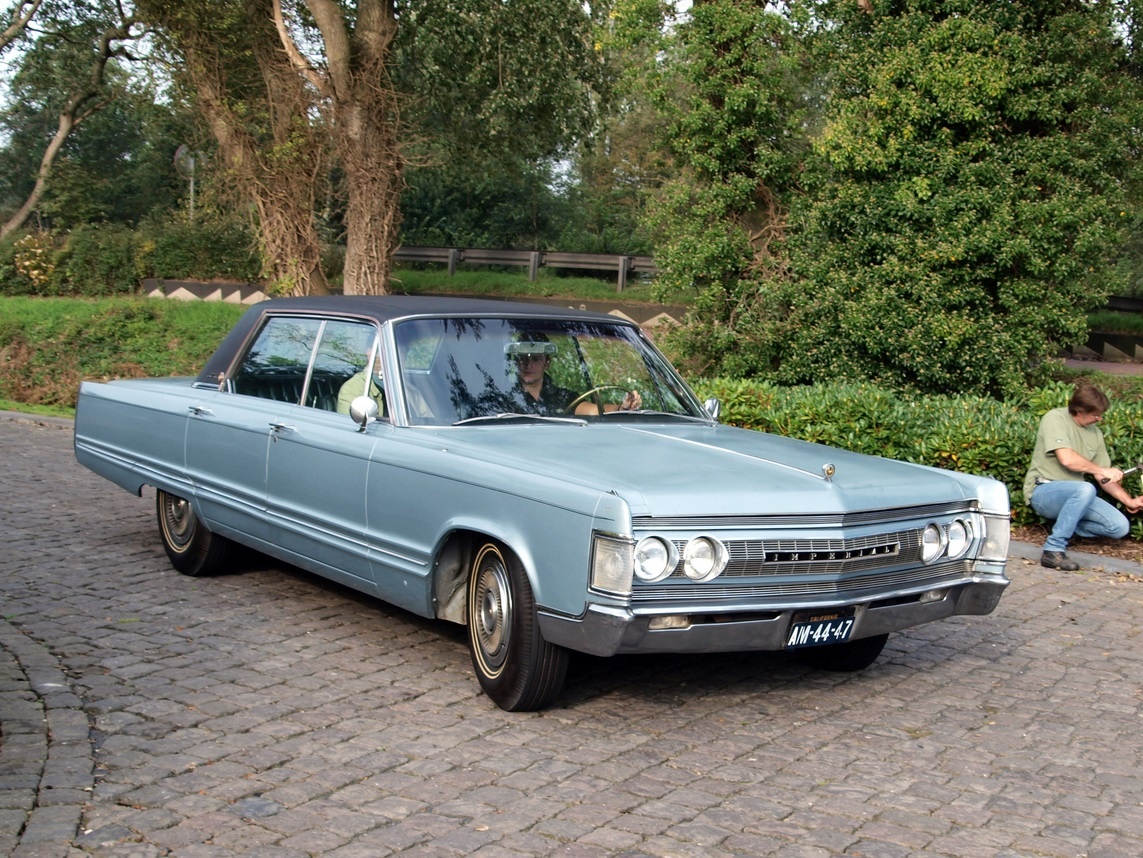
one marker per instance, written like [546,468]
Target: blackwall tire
[845,657]
[516,667]
[191,548]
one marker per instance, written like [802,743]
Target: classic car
[545,478]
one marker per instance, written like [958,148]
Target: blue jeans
[1077,511]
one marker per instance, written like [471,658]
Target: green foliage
[494,81]
[954,174]
[220,248]
[456,206]
[964,196]
[731,101]
[108,259]
[51,344]
[971,434]
[98,260]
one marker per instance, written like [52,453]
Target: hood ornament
[828,470]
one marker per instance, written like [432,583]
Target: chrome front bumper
[605,630]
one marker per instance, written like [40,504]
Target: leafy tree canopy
[958,207]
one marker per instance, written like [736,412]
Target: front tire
[191,548]
[516,667]
[845,657]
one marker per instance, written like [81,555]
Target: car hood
[708,470]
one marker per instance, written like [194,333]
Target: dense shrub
[975,435]
[104,260]
[97,259]
[204,250]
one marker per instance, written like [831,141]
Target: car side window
[342,354]
[275,365]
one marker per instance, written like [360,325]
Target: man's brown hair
[1088,399]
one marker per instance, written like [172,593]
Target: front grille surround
[784,566]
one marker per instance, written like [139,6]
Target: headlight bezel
[934,541]
[669,559]
[694,562]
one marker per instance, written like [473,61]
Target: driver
[535,389]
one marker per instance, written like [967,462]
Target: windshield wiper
[515,415]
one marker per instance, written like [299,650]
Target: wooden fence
[533,260]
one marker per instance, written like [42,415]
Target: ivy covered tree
[925,194]
[965,195]
[728,82]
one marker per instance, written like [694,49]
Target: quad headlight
[932,542]
[951,542]
[655,559]
[704,558]
[960,538]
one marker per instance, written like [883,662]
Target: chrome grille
[876,516]
[816,556]
[809,568]
[743,591]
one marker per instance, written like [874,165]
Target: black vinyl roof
[383,308]
[386,307]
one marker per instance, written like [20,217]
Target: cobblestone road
[267,713]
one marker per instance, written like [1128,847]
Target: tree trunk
[269,145]
[373,169]
[364,120]
[66,125]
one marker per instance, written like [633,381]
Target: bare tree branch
[22,13]
[299,62]
[88,98]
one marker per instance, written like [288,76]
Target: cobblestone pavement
[267,713]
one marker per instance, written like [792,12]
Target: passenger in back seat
[355,387]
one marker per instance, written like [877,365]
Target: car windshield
[457,370]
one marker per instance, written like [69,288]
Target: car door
[229,433]
[318,460]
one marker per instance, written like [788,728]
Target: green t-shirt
[1058,429]
[355,387]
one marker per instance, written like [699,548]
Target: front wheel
[516,667]
[191,548]
[845,657]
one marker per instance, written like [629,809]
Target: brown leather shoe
[1058,560]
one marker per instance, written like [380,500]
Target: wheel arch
[452,564]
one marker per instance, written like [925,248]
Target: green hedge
[962,433]
[47,345]
[107,260]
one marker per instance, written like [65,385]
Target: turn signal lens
[611,564]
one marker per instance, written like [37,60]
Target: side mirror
[713,408]
[363,411]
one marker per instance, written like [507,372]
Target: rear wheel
[516,667]
[191,548]
[845,657]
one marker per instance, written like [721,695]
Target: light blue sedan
[543,477]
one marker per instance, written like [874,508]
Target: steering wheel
[571,406]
